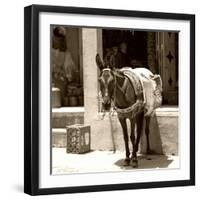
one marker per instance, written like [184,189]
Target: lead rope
[111,114]
[112,134]
[100,104]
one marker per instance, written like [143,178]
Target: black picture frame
[31,98]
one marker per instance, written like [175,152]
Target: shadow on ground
[148,162]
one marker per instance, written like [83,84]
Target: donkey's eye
[100,79]
[102,86]
[111,86]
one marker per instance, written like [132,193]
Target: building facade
[156,50]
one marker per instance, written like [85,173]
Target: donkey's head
[106,83]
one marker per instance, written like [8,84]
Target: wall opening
[66,67]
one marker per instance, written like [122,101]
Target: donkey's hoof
[126,162]
[134,163]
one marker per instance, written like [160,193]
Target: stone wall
[107,134]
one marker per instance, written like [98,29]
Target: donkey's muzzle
[107,106]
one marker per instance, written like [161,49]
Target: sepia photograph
[114,99]
[109,100]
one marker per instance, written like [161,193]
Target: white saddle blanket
[152,88]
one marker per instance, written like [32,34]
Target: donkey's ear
[99,62]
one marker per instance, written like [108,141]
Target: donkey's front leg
[125,133]
[139,124]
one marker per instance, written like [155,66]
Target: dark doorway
[136,44]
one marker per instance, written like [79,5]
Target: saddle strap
[136,84]
[135,108]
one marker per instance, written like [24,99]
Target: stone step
[59,137]
[163,132]
[107,134]
[61,117]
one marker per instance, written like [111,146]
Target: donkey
[128,101]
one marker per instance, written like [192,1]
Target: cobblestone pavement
[105,161]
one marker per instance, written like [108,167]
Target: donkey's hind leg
[147,132]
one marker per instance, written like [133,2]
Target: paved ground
[104,161]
